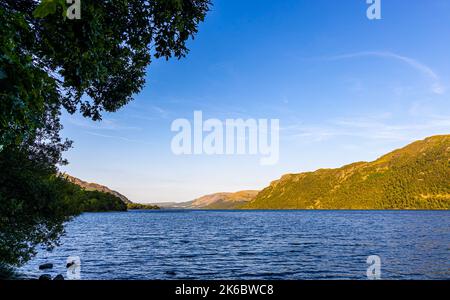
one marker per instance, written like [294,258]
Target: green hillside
[81,200]
[414,177]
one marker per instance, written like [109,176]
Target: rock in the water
[45,277]
[58,277]
[46,266]
[173,273]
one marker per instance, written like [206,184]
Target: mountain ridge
[221,200]
[416,176]
[90,186]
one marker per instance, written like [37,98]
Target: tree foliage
[91,65]
[95,201]
[33,206]
[35,203]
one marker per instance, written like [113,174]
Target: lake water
[253,245]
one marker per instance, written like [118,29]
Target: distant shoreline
[273,210]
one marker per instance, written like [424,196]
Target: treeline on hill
[142,206]
[414,177]
[92,201]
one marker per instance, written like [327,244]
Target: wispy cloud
[116,137]
[436,86]
[163,113]
[105,124]
[150,111]
[373,128]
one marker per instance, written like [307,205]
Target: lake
[253,245]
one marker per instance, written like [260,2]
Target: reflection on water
[254,245]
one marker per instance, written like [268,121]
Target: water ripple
[253,245]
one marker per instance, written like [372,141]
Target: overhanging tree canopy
[91,65]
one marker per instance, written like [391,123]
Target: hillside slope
[414,177]
[88,186]
[215,201]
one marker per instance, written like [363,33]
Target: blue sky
[344,88]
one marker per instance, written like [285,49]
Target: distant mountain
[215,201]
[414,177]
[95,187]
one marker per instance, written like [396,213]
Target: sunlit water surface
[253,245]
